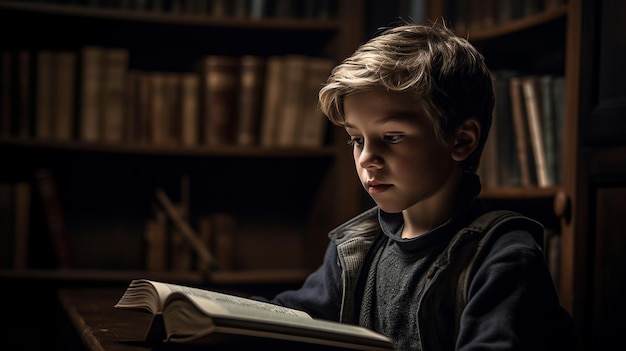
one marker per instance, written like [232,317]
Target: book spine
[520,128]
[155,237]
[56,223]
[114,79]
[143,129]
[272,99]
[224,230]
[6,95]
[22,224]
[546,84]
[43,107]
[7,224]
[156,112]
[508,165]
[64,95]
[220,112]
[172,109]
[91,91]
[535,122]
[190,110]
[250,95]
[24,92]
[293,93]
[312,124]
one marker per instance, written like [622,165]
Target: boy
[416,102]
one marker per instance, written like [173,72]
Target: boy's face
[400,161]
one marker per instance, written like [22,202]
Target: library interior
[181,141]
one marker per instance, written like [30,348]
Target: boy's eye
[355,141]
[395,138]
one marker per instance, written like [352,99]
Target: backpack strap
[487,228]
[449,277]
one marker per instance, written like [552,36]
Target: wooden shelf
[251,277]
[225,151]
[172,18]
[517,25]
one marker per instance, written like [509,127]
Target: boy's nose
[369,158]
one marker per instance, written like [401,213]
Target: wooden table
[101,327]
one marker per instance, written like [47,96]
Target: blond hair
[440,70]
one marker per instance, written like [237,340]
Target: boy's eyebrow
[399,117]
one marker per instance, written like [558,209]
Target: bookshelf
[283,198]
[581,41]
[521,42]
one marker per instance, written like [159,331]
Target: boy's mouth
[374,187]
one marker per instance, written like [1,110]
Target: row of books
[174,240]
[17,201]
[478,14]
[526,138]
[253,9]
[93,96]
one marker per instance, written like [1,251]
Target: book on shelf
[6,97]
[312,122]
[224,234]
[142,126]
[7,222]
[132,105]
[508,168]
[25,94]
[558,95]
[220,83]
[535,120]
[55,94]
[155,241]
[57,229]
[481,14]
[250,99]
[21,234]
[189,315]
[522,136]
[292,99]
[189,108]
[91,70]
[15,217]
[113,90]
[221,8]
[505,11]
[64,95]
[156,108]
[44,88]
[545,87]
[172,108]
[272,99]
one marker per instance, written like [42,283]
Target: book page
[256,315]
[143,294]
[223,304]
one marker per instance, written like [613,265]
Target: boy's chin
[389,208]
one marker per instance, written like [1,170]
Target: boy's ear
[465,139]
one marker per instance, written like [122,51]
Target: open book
[190,315]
